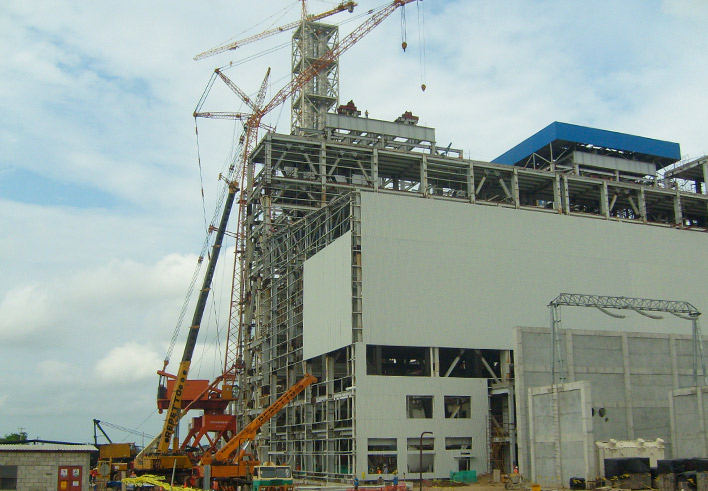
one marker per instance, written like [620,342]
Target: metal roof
[46,447]
[660,152]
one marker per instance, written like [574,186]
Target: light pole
[420,447]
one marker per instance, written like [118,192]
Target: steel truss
[683,310]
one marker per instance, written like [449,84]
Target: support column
[604,201]
[643,205]
[627,387]
[375,168]
[557,194]
[515,188]
[470,183]
[323,174]
[565,194]
[424,176]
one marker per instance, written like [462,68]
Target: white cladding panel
[381,413]
[442,273]
[327,299]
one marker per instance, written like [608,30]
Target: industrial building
[415,284]
[397,272]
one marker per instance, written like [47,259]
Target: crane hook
[404,45]
[423,87]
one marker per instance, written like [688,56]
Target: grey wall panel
[327,299]
[631,383]
[439,273]
[561,430]
[688,418]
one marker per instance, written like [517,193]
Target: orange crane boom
[229,460]
[236,44]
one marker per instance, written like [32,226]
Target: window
[382,463]
[382,458]
[458,443]
[382,444]
[420,406]
[408,361]
[457,407]
[415,444]
[8,477]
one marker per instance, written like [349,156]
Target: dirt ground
[484,483]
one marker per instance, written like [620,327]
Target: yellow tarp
[157,481]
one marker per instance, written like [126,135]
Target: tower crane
[349,6]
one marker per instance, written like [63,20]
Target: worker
[385,469]
[356,483]
[395,479]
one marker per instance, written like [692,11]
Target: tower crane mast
[239,316]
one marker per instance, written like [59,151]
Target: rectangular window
[382,444]
[8,477]
[416,444]
[458,443]
[382,463]
[420,406]
[457,407]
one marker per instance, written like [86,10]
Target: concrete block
[666,482]
[634,481]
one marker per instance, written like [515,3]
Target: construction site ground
[484,483]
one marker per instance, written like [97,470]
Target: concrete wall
[631,376]
[39,471]
[560,433]
[381,413]
[689,411]
[441,273]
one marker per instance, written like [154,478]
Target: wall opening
[408,361]
[419,406]
[457,407]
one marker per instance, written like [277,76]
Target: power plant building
[415,284]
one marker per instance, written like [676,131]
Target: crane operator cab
[271,477]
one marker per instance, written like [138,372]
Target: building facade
[396,272]
[45,466]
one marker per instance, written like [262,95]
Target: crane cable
[421,43]
[234,158]
[404,44]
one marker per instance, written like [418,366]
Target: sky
[102,217]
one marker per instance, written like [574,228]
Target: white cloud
[127,364]
[23,312]
[100,101]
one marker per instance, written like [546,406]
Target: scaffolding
[306,194]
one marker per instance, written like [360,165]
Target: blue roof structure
[558,134]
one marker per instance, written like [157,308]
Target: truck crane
[156,456]
[232,465]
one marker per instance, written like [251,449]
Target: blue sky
[101,215]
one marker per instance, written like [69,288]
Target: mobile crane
[233,465]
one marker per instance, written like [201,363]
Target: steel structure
[306,194]
[681,309]
[313,100]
